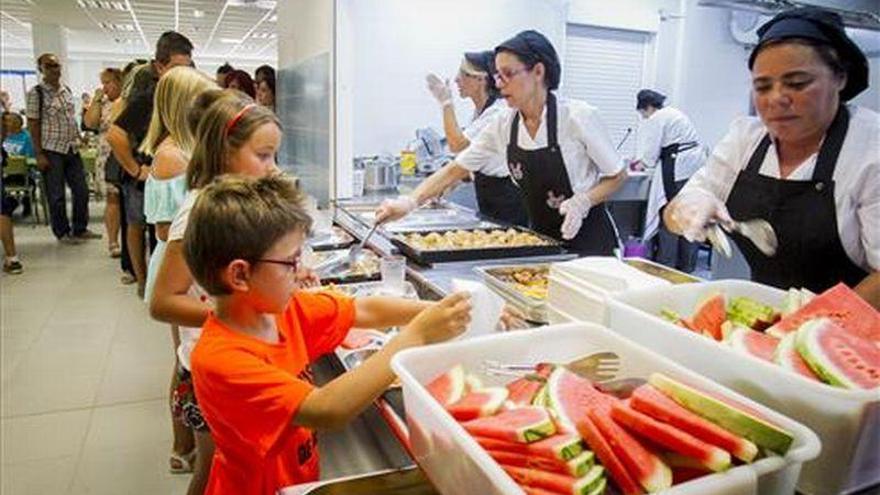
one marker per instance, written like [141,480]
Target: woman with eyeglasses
[497,196]
[558,152]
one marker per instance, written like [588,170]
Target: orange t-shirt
[249,391]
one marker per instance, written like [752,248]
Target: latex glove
[575,209]
[395,209]
[440,89]
[694,210]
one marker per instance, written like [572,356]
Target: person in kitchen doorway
[808,165]
[668,144]
[558,153]
[497,195]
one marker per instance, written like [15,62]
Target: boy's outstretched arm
[384,312]
[335,404]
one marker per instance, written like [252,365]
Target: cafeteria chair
[25,186]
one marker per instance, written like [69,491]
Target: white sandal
[181,463]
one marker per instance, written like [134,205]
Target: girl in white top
[497,196]
[558,153]
[234,136]
[809,165]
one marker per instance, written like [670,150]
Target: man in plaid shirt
[52,123]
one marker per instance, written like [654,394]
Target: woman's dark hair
[265,72]
[485,62]
[245,83]
[531,47]
[225,68]
[649,98]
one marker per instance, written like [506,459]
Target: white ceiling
[219,29]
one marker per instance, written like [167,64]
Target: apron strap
[552,139]
[827,159]
[514,129]
[757,158]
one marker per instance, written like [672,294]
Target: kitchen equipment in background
[430,150]
[381,172]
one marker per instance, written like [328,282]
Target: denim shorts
[184,406]
[134,201]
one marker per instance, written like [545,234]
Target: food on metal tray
[529,281]
[472,239]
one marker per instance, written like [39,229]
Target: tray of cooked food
[523,285]
[430,219]
[472,244]
[671,275]
[333,266]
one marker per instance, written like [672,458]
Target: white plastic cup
[357,183]
[393,271]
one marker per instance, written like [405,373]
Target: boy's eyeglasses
[292,264]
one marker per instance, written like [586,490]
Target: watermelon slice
[477,404]
[576,467]
[670,437]
[684,468]
[523,424]
[787,356]
[652,402]
[673,317]
[557,483]
[472,383]
[709,316]
[563,447]
[522,391]
[751,313]
[841,304]
[737,420]
[448,388]
[748,341]
[838,356]
[582,408]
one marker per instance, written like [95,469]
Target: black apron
[668,155]
[804,216]
[500,199]
[543,180]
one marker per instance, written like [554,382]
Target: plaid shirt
[58,127]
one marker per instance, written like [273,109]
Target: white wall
[397,42]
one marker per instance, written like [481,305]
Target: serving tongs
[757,230]
[355,251]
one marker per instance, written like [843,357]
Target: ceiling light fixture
[198,14]
[216,25]
[251,31]
[137,24]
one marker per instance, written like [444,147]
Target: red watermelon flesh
[530,490]
[749,341]
[523,425]
[448,388]
[573,397]
[787,356]
[479,403]
[522,390]
[576,467]
[841,304]
[650,401]
[563,447]
[554,482]
[838,356]
[670,437]
[709,316]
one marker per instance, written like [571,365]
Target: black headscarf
[649,98]
[826,28]
[532,47]
[485,62]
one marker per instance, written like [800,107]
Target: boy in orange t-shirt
[251,365]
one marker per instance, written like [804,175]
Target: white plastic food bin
[457,465]
[847,421]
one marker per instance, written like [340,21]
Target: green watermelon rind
[787,345]
[733,419]
[530,433]
[807,344]
[587,483]
[599,489]
[580,464]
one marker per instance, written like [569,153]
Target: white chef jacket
[479,122]
[586,146]
[856,178]
[666,126]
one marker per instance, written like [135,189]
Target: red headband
[231,124]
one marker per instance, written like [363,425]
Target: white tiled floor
[84,376]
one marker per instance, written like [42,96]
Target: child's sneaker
[13,267]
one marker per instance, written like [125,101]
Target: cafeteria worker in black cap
[497,196]
[558,152]
[810,164]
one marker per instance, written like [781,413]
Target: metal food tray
[338,239]
[671,275]
[534,309]
[431,219]
[340,273]
[428,257]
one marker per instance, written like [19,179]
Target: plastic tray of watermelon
[801,364]
[477,433]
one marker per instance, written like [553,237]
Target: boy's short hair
[238,217]
[172,43]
